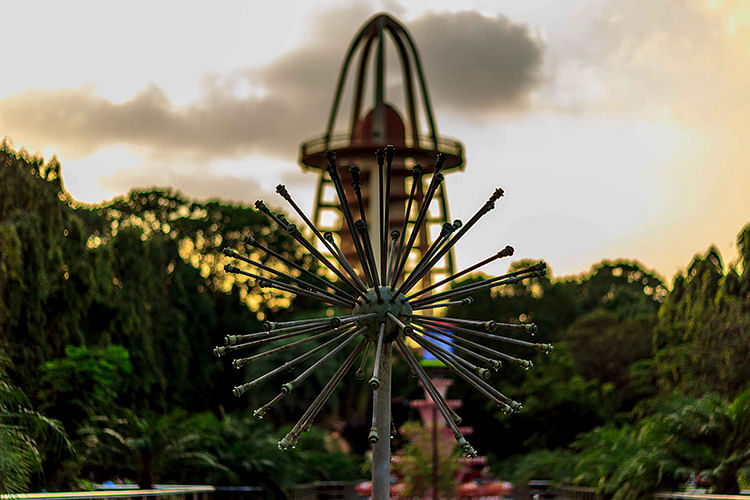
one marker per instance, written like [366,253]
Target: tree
[701,338]
[682,435]
[23,435]
[416,461]
[147,449]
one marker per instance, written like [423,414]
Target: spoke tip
[380,153]
[505,252]
[530,328]
[497,194]
[395,234]
[373,437]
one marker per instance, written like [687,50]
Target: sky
[617,129]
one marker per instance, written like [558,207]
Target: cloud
[478,65]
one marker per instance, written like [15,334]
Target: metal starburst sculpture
[385,310]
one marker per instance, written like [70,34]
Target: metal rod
[345,262]
[416,179]
[424,342]
[249,240]
[375,380]
[316,253]
[541,347]
[381,214]
[385,226]
[489,205]
[436,398]
[484,373]
[437,178]
[509,278]
[265,282]
[231,253]
[466,301]
[233,341]
[303,324]
[302,376]
[281,189]
[240,362]
[417,273]
[295,234]
[306,420]
[404,328]
[289,441]
[505,252]
[356,185]
[261,412]
[381,450]
[523,363]
[394,236]
[457,345]
[369,254]
[336,179]
[487,390]
[432,347]
[281,337]
[241,389]
[360,373]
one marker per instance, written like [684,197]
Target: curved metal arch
[369,31]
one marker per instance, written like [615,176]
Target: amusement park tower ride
[380,126]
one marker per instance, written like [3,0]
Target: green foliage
[25,437]
[113,309]
[604,345]
[85,382]
[701,337]
[551,464]
[558,404]
[416,461]
[146,449]
[681,435]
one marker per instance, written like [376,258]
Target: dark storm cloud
[474,65]
[477,64]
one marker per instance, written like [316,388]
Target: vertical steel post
[435,455]
[381,451]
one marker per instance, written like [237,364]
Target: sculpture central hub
[388,302]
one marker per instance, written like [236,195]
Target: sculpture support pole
[381,451]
